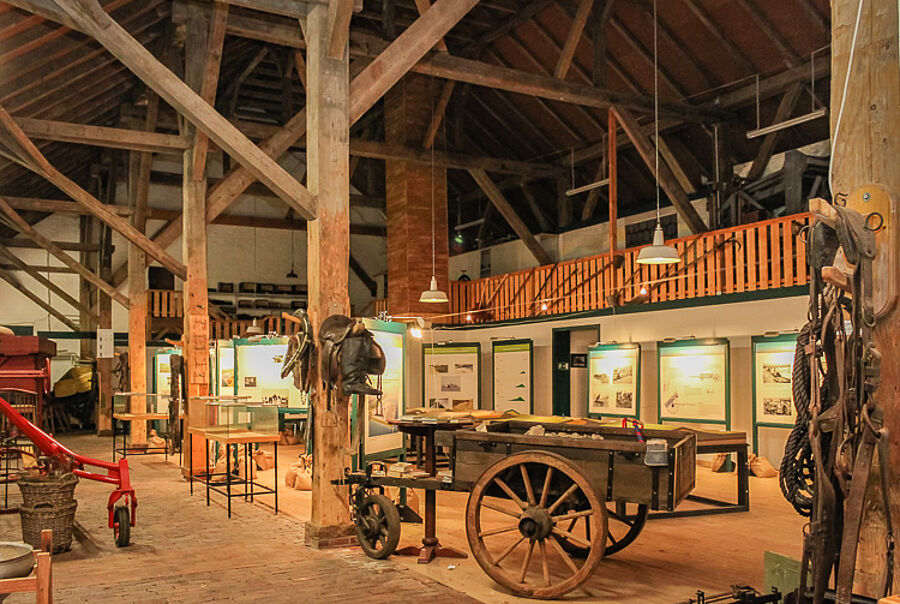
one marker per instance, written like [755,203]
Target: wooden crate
[615,465]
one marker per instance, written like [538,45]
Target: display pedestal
[328,537]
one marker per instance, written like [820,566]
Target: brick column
[408,112]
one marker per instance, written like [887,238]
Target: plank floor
[185,551]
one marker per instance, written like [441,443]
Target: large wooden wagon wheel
[626,521]
[516,521]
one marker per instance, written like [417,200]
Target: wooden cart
[542,510]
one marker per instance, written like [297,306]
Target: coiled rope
[797,464]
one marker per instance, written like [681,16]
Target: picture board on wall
[162,377]
[614,380]
[513,376]
[257,372]
[773,372]
[694,381]
[224,367]
[452,375]
[380,438]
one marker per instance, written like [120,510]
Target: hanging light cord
[656,109]
[433,263]
[840,115]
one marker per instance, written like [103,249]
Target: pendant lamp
[657,252]
[433,295]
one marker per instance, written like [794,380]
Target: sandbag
[761,467]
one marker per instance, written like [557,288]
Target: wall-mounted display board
[773,400]
[224,367]
[614,380]
[257,372]
[513,368]
[694,381]
[162,377]
[380,438]
[452,375]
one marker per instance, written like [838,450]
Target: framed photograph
[578,360]
[513,374]
[614,380]
[452,376]
[694,381]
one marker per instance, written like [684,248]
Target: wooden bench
[40,581]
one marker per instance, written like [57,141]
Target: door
[561,372]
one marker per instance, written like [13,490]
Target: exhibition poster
[512,364]
[451,379]
[162,378]
[380,436]
[773,360]
[257,373]
[614,380]
[693,381]
[224,367]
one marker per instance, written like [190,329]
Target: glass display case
[226,418]
[123,403]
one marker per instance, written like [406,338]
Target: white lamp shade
[658,252]
[433,295]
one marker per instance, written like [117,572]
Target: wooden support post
[328,168]
[104,365]
[86,321]
[864,153]
[613,191]
[201,73]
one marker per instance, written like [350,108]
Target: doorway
[567,380]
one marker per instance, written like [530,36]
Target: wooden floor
[184,551]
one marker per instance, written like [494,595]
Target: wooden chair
[40,581]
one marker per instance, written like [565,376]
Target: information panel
[257,373]
[381,438]
[513,363]
[224,367]
[162,377]
[773,371]
[694,381]
[614,380]
[452,377]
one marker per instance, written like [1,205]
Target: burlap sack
[761,467]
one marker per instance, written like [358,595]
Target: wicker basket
[60,519]
[58,492]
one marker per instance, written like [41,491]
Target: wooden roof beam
[56,206]
[102,136]
[50,285]
[27,230]
[767,147]
[791,58]
[35,161]
[511,216]
[667,180]
[574,37]
[17,285]
[747,67]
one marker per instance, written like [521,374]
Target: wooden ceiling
[707,49]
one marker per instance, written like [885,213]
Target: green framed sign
[380,439]
[614,380]
[162,376]
[773,370]
[512,363]
[257,372]
[695,381]
[224,369]
[451,375]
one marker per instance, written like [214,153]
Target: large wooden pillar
[104,365]
[411,188]
[864,153]
[328,244]
[201,73]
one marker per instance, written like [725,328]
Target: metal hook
[869,218]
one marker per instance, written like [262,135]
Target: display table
[719,442]
[247,487]
[431,547]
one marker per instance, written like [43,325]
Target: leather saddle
[348,355]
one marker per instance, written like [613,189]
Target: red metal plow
[122,517]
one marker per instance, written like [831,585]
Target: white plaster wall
[737,321]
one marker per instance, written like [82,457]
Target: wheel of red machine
[518,513]
[122,526]
[378,526]
[626,521]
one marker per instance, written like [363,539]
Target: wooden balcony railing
[758,256]
[165,303]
